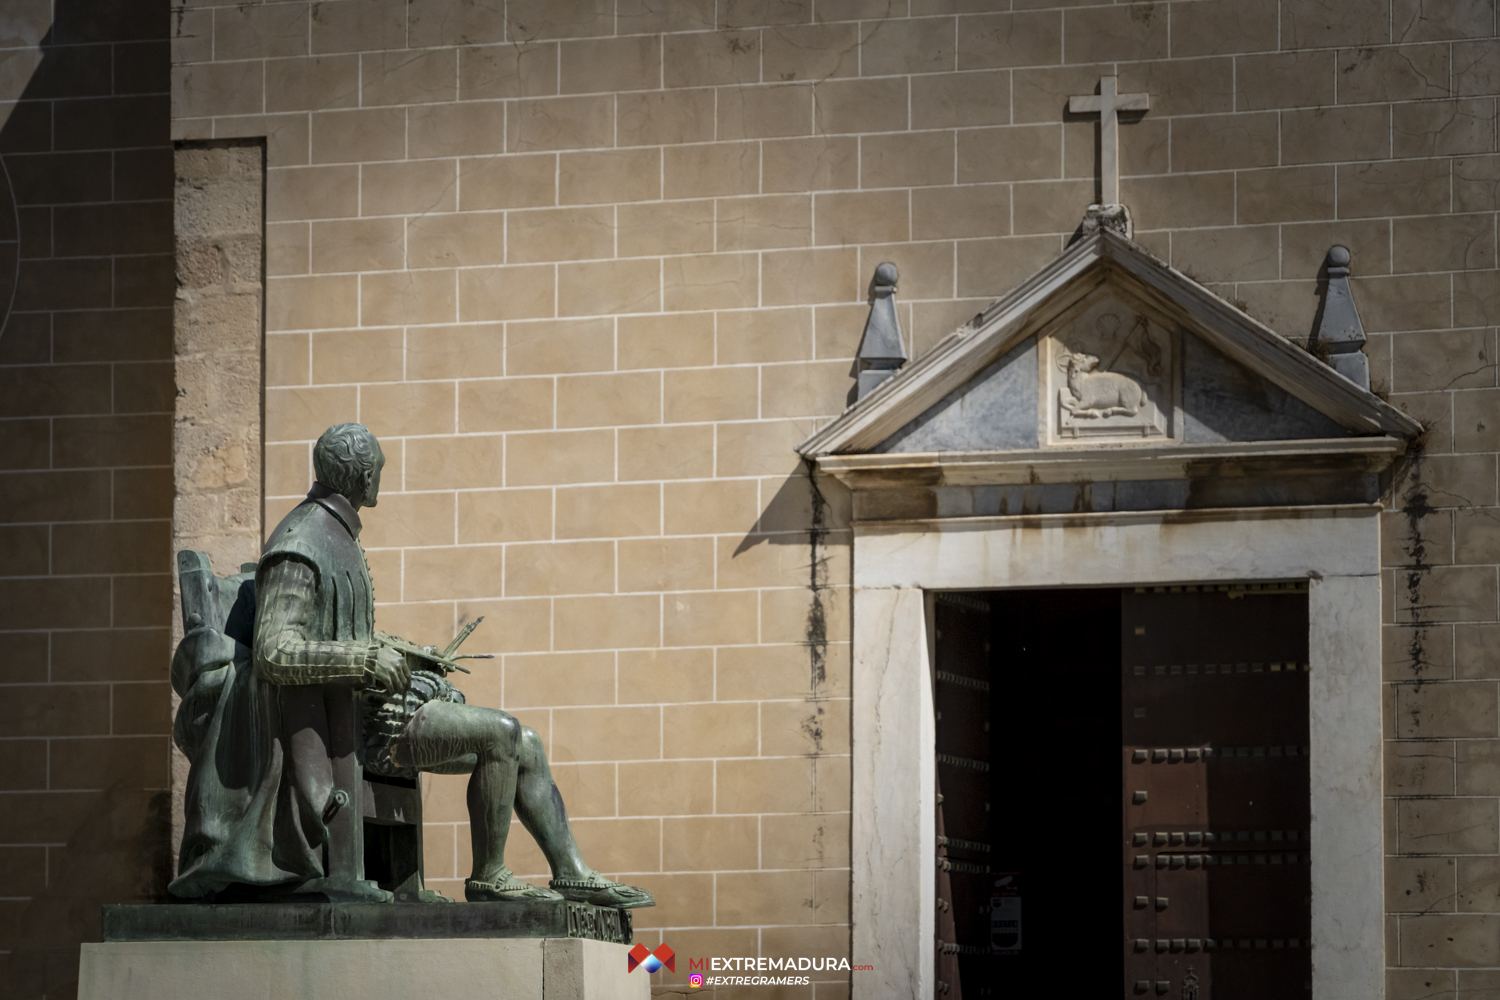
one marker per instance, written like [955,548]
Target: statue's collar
[336,504]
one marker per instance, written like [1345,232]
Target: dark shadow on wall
[86,392]
[808,517]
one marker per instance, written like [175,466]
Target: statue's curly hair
[343,455]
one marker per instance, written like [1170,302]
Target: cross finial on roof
[1106,104]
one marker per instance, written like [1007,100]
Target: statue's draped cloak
[251,816]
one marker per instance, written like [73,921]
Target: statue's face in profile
[372,480]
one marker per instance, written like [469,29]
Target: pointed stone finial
[881,351]
[1341,336]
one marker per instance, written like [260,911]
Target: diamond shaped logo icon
[651,961]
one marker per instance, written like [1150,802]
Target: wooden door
[1214,717]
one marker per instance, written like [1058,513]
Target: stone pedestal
[404,969]
[457,951]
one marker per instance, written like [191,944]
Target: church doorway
[1123,791]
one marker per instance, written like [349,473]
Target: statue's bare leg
[510,773]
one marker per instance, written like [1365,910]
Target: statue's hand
[392,672]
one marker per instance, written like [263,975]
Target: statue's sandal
[506,888]
[600,891]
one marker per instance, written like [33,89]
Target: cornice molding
[1110,463]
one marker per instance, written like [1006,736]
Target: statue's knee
[531,744]
[506,733]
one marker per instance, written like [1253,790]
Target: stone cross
[1106,104]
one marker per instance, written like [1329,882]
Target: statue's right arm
[285,650]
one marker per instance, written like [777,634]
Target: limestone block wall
[86,391]
[219,315]
[592,267]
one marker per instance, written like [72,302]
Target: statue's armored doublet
[315,602]
[344,604]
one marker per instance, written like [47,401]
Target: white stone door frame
[1335,548]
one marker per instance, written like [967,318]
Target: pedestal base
[534,918]
[522,950]
[362,969]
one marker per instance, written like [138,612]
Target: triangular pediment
[1108,347]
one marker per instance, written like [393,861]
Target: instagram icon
[695,980]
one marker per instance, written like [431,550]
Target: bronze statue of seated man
[328,697]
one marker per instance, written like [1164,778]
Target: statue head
[348,459]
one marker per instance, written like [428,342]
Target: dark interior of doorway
[1048,725]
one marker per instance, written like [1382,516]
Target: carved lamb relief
[1098,394]
[1112,375]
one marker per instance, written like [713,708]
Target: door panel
[1215,722]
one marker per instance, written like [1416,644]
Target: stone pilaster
[218,349]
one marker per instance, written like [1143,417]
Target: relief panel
[1112,374]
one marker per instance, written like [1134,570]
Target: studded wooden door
[1216,792]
